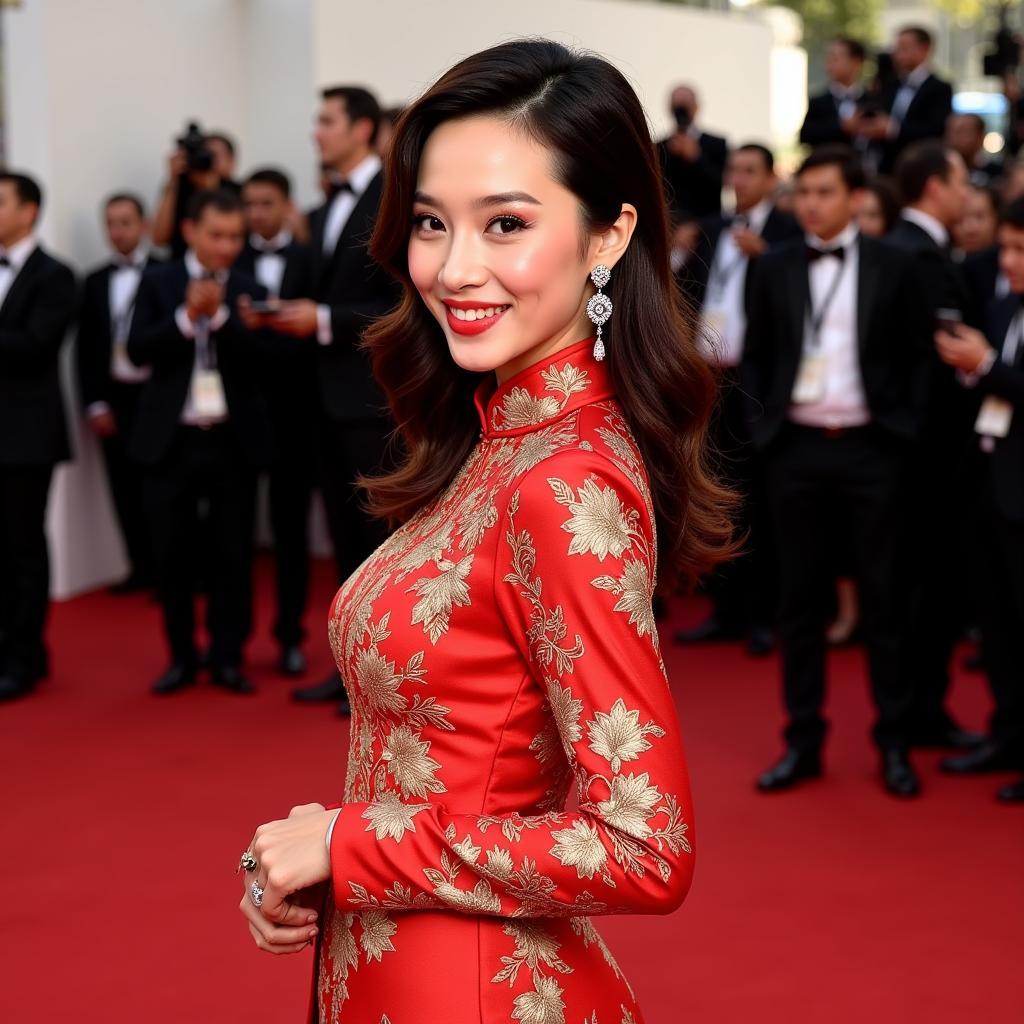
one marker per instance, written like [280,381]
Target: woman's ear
[612,243]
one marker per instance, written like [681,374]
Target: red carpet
[123,818]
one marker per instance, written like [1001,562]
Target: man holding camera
[692,161]
[200,162]
[202,433]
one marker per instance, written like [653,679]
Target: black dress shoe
[13,687]
[989,757]
[898,775]
[710,630]
[293,661]
[949,736]
[760,641]
[177,677]
[1012,792]
[229,677]
[794,766]
[331,689]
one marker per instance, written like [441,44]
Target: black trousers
[808,471]
[291,477]
[126,481]
[200,502]
[346,449]
[24,570]
[999,587]
[944,483]
[744,590]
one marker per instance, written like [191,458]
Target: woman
[879,208]
[500,647]
[976,230]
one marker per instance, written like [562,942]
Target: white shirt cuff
[96,409]
[188,329]
[330,828]
[324,333]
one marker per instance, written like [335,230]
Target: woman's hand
[291,856]
[966,350]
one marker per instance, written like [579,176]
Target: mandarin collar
[544,392]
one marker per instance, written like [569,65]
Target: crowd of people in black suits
[235,356]
[864,316]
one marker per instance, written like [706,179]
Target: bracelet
[330,828]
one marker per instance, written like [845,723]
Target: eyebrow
[499,199]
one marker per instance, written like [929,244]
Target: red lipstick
[472,327]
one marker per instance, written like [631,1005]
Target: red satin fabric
[499,651]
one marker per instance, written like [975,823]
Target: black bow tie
[126,265]
[269,250]
[336,185]
[814,253]
[4,261]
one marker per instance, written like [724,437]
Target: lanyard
[1011,343]
[815,320]
[721,274]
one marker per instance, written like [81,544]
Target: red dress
[499,650]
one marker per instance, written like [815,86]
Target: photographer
[692,162]
[199,163]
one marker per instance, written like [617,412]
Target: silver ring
[248,861]
[256,892]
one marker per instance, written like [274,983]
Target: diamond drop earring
[599,308]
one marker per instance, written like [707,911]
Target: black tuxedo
[981,274]
[894,338]
[192,467]
[925,118]
[354,424]
[821,122]
[34,319]
[288,381]
[809,470]
[694,189]
[743,591]
[97,384]
[998,541]
[693,278]
[943,483]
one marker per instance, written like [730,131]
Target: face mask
[683,117]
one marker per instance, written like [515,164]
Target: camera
[193,143]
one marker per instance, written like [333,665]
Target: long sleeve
[573,577]
[92,358]
[155,338]
[33,343]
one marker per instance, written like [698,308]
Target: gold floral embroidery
[390,817]
[634,589]
[618,735]
[406,755]
[544,1005]
[631,803]
[439,594]
[580,847]
[520,408]
[534,946]
[598,522]
[375,937]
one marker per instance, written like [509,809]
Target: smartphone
[265,306]
[949,320]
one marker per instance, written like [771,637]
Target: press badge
[810,379]
[994,417]
[208,400]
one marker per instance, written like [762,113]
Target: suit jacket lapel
[798,289]
[868,281]
[21,281]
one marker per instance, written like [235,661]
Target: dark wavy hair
[580,108]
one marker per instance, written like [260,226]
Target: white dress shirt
[843,402]
[337,217]
[724,315]
[935,229]
[846,98]
[201,332]
[124,286]
[17,256]
[905,96]
[270,264]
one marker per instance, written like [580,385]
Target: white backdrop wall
[97,89]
